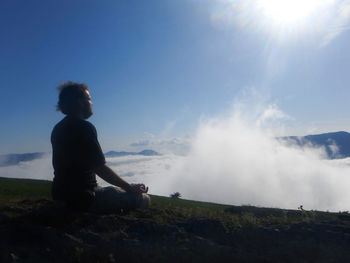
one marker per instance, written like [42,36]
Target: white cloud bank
[339,23]
[236,162]
[36,169]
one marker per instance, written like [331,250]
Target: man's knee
[146,201]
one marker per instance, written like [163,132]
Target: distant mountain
[336,144]
[14,159]
[120,154]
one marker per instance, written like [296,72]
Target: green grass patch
[167,210]
[167,202]
[13,190]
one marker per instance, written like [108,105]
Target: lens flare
[290,11]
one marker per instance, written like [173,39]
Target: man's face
[86,105]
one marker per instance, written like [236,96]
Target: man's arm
[113,178]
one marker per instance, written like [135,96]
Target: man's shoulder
[69,124]
[59,125]
[71,121]
[87,125]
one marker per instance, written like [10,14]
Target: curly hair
[69,95]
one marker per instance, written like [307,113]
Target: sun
[289,11]
[286,21]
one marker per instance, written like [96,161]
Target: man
[77,158]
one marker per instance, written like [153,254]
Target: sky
[157,69]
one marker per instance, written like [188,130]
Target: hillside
[34,229]
[336,144]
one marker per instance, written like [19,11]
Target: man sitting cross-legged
[77,158]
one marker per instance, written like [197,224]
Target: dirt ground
[39,231]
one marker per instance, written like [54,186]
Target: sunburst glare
[283,19]
[290,11]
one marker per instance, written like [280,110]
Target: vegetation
[172,230]
[16,190]
[175,195]
[13,190]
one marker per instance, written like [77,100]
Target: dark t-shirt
[75,154]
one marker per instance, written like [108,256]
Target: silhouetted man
[77,158]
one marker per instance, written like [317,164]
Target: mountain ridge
[336,144]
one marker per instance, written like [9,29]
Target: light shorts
[112,199]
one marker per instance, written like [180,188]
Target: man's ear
[79,105]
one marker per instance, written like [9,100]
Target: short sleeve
[93,152]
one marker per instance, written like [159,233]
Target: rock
[40,231]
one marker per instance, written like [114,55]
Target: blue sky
[154,68]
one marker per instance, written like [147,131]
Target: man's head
[74,100]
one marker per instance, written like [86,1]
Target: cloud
[339,23]
[235,161]
[176,145]
[333,149]
[40,168]
[143,169]
[140,143]
[271,113]
[157,142]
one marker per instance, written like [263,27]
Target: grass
[238,215]
[175,209]
[253,234]
[14,190]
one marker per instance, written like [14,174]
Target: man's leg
[113,199]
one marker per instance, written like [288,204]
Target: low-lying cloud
[40,168]
[237,162]
[142,168]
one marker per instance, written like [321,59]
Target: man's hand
[113,178]
[138,188]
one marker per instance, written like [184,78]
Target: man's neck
[75,116]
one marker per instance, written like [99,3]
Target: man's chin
[88,115]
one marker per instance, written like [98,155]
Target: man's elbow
[101,169]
